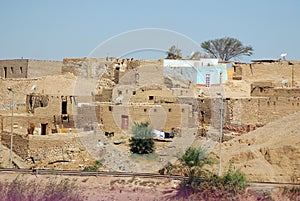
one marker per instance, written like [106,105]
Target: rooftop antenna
[283,55]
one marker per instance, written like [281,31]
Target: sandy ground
[270,153]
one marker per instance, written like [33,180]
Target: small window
[134,92]
[170,110]
[182,110]
[145,110]
[5,72]
[12,70]
[120,92]
[151,97]
[126,91]
[110,108]
[155,110]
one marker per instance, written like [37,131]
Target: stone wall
[51,148]
[20,143]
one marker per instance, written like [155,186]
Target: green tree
[226,48]
[192,162]
[142,141]
[174,53]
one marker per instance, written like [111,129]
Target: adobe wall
[270,91]
[273,71]
[49,85]
[105,95]
[143,74]
[54,106]
[125,92]
[85,115]
[204,109]
[260,110]
[185,92]
[150,74]
[163,116]
[153,94]
[39,68]
[86,67]
[15,68]
[22,122]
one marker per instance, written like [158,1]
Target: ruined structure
[29,68]
[81,97]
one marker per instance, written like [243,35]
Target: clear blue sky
[71,28]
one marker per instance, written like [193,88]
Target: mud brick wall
[39,68]
[163,116]
[16,68]
[85,67]
[264,71]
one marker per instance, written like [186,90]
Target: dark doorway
[64,107]
[5,72]
[117,75]
[43,129]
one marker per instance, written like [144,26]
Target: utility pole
[11,125]
[221,133]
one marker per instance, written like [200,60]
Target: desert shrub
[142,141]
[292,193]
[65,190]
[229,186]
[95,167]
[21,190]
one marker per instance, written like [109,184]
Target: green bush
[142,141]
[95,167]
[234,180]
[192,162]
[205,185]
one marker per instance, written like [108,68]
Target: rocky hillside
[270,153]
